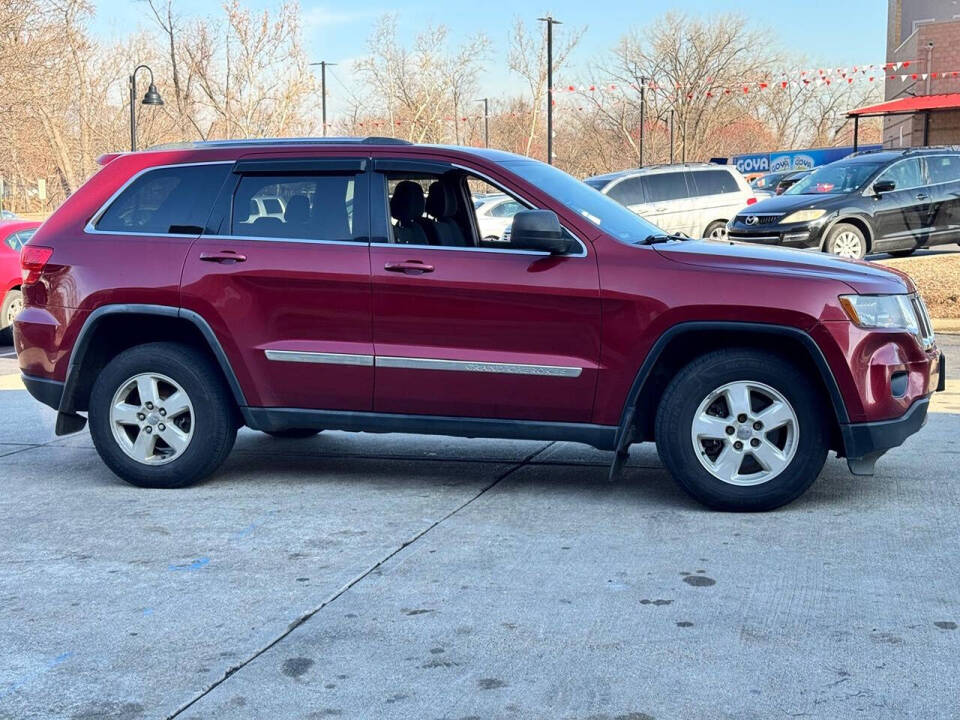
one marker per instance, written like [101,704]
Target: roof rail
[266,142]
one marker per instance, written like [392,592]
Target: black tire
[7,307]
[712,227]
[292,433]
[834,235]
[901,253]
[214,415]
[694,383]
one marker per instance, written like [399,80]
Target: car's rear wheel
[161,415]
[292,433]
[716,230]
[846,241]
[9,309]
[742,430]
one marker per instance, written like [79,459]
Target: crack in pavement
[393,553]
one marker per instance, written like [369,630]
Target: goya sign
[792,159]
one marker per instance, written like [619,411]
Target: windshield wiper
[657,239]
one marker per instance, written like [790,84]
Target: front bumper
[795,235]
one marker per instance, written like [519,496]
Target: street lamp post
[323,91]
[486,121]
[643,87]
[152,97]
[550,23]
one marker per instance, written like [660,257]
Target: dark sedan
[891,201]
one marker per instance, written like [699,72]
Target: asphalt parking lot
[363,576]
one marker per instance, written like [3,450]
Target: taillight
[33,259]
[751,200]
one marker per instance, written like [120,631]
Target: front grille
[923,319]
[731,235]
[761,219]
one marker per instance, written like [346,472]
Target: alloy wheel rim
[12,311]
[719,233]
[152,419]
[847,244]
[745,433]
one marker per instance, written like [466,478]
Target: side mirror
[884,186]
[539,230]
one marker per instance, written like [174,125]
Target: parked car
[767,183]
[790,179]
[696,199]
[13,236]
[8,215]
[891,201]
[495,215]
[745,364]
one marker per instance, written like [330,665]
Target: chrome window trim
[477,366]
[302,241]
[320,358]
[91,227]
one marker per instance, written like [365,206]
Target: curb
[946,325]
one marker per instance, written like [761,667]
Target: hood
[787,203]
[863,277]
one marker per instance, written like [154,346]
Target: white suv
[696,199]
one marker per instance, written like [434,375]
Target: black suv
[891,201]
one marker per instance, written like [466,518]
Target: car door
[717,197]
[470,331]
[289,297]
[944,174]
[903,215]
[671,201]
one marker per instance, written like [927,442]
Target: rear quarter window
[171,200]
[715,182]
[662,187]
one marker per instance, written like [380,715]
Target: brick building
[926,34]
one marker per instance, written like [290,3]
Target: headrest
[298,209]
[441,200]
[407,202]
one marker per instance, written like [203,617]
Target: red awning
[907,105]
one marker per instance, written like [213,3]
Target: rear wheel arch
[111,329]
[685,342]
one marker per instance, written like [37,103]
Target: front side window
[715,182]
[905,174]
[295,207]
[663,187]
[943,168]
[172,200]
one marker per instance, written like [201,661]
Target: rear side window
[295,207]
[506,209]
[715,182]
[666,186]
[171,200]
[943,168]
[627,192]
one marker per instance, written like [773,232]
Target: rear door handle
[414,267]
[922,196]
[224,256]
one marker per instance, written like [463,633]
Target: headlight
[804,216]
[881,311]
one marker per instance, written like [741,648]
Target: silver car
[696,199]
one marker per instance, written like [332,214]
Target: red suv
[299,285]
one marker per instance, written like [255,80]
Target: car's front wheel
[742,430]
[161,415]
[716,230]
[846,241]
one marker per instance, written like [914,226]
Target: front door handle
[224,256]
[922,196]
[411,267]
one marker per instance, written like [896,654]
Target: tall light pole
[550,23]
[671,137]
[323,90]
[486,121]
[152,97]
[643,87]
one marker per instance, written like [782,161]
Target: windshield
[835,179]
[608,215]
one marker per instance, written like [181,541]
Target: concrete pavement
[360,576]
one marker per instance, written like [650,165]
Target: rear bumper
[46,391]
